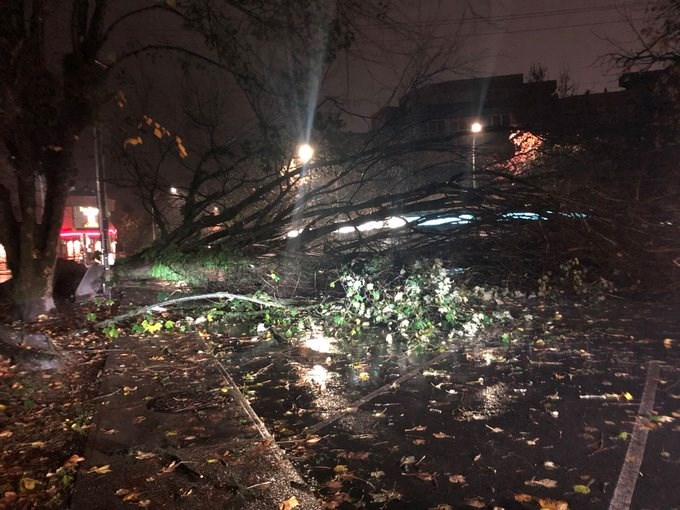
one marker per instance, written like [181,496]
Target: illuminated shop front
[80,237]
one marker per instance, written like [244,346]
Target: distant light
[305,153]
[346,230]
[476,127]
[396,222]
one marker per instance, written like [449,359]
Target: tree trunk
[32,290]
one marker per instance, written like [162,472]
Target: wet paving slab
[173,431]
[543,422]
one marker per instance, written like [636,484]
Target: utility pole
[101,205]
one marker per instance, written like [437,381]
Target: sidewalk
[173,431]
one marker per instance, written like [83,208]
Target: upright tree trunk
[32,290]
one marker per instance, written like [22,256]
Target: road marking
[625,486]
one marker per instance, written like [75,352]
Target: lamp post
[475,128]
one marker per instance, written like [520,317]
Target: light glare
[305,153]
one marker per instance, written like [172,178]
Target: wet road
[545,422]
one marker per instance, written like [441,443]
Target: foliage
[418,303]
[573,277]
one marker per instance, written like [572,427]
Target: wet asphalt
[543,422]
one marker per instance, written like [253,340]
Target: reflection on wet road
[547,419]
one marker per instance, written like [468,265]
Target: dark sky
[494,37]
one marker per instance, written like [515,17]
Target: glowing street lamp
[305,153]
[475,128]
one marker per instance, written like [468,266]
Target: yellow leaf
[137,140]
[3,407]
[363,376]
[553,504]
[581,489]
[224,389]
[289,503]
[27,484]
[340,468]
[38,444]
[212,461]
[627,396]
[100,470]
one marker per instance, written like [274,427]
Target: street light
[475,128]
[305,153]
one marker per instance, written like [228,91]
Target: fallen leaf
[627,396]
[456,479]
[475,502]
[553,504]
[548,464]
[73,460]
[496,430]
[38,444]
[145,503]
[6,433]
[100,470]
[419,442]
[27,484]
[364,376]
[289,503]
[440,435]
[340,468]
[668,343]
[171,467]
[313,440]
[122,492]
[417,428]
[137,140]
[533,442]
[385,496]
[144,455]
[523,498]
[581,489]
[425,477]
[377,474]
[131,496]
[545,482]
